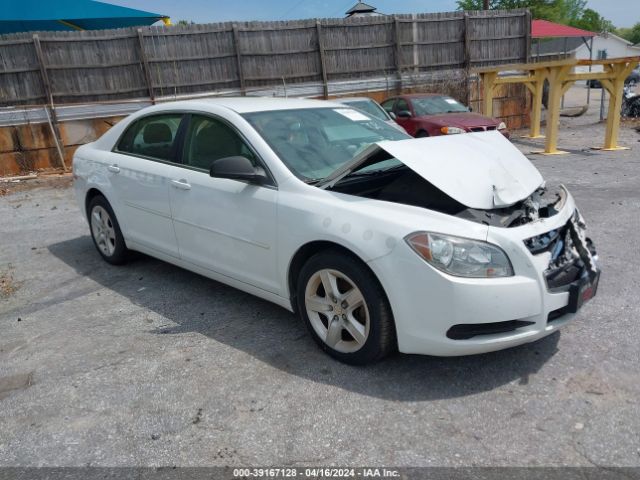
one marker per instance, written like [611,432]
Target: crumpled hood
[480,170]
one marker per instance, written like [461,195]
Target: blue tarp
[39,15]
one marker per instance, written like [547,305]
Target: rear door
[226,226]
[139,171]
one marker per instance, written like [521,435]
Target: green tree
[545,9]
[592,21]
[568,12]
[631,34]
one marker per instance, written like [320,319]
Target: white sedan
[449,245]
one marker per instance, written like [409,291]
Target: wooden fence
[108,65]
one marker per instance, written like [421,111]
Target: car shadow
[189,302]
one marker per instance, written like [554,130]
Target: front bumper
[427,304]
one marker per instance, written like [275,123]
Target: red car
[428,114]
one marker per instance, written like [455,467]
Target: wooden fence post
[398,51]
[55,131]
[323,65]
[527,42]
[467,56]
[145,66]
[467,41]
[236,43]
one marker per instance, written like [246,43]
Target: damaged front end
[479,177]
[572,265]
[545,202]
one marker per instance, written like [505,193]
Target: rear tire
[105,231]
[350,319]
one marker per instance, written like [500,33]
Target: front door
[227,226]
[401,108]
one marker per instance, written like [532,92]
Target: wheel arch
[308,250]
[92,193]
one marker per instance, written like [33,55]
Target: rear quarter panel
[89,172]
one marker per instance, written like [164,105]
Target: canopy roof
[361,7]
[34,15]
[546,29]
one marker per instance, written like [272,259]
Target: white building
[605,45]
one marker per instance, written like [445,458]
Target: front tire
[345,309]
[422,134]
[105,231]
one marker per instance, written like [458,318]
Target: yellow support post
[488,83]
[556,78]
[567,85]
[536,88]
[615,88]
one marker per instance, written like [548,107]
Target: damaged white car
[450,245]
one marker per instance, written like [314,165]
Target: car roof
[353,99]
[254,104]
[422,95]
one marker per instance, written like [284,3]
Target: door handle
[182,184]
[114,168]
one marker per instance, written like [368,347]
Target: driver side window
[402,106]
[209,139]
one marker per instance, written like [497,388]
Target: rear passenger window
[152,136]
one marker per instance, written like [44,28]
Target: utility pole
[485,4]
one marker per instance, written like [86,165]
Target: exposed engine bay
[403,185]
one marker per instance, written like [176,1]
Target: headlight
[502,126]
[451,130]
[462,257]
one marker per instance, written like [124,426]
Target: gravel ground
[149,364]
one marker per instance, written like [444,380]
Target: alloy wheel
[337,310]
[103,231]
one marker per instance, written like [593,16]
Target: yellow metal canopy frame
[561,77]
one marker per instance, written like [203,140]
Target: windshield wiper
[375,172]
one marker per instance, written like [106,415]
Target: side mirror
[393,115]
[237,168]
[404,114]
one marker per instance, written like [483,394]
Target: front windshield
[434,105]
[369,107]
[315,142]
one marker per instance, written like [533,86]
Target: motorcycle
[630,101]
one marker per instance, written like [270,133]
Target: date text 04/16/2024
[318,472]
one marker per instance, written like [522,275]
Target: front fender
[370,229]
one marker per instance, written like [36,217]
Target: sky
[623,13]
